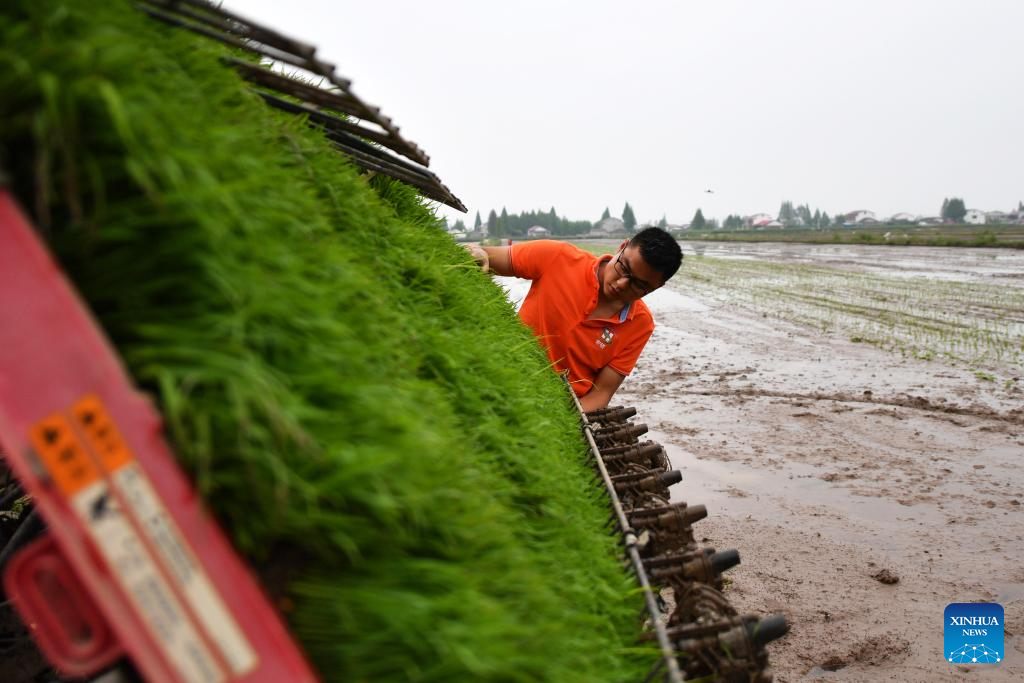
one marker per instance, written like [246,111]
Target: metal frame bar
[324,107]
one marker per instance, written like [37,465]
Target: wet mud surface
[864,490]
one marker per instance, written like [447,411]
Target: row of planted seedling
[700,634]
[966,321]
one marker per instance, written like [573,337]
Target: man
[586,310]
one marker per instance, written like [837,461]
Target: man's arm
[497,260]
[605,385]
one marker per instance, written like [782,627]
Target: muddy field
[866,487]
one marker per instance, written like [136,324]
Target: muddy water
[988,265]
[825,462]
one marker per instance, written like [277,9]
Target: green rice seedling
[363,411]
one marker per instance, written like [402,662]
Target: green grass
[362,409]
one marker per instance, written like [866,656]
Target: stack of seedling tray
[356,403]
[700,634]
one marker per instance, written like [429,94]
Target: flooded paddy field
[843,411]
[965,306]
[941,263]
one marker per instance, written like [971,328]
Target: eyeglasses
[623,269]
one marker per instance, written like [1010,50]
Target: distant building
[766,223]
[609,226]
[974,217]
[860,217]
[930,220]
[537,231]
[997,217]
[903,218]
[757,220]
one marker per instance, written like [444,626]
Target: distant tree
[504,226]
[459,226]
[825,220]
[733,222]
[944,212]
[698,222]
[955,209]
[838,219]
[712,224]
[663,223]
[785,210]
[558,223]
[1020,205]
[492,224]
[816,218]
[508,224]
[803,212]
[606,214]
[569,227]
[477,223]
[787,214]
[628,218]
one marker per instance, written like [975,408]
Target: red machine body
[131,564]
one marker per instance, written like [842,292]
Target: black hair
[659,250]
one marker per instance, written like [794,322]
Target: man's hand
[479,255]
[605,385]
[497,260]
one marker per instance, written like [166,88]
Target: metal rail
[700,635]
[629,537]
[357,129]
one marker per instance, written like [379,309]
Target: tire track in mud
[1015,416]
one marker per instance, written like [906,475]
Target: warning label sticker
[167,540]
[91,464]
[63,455]
[144,585]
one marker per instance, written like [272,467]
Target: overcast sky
[886,105]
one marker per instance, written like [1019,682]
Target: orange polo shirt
[563,294]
